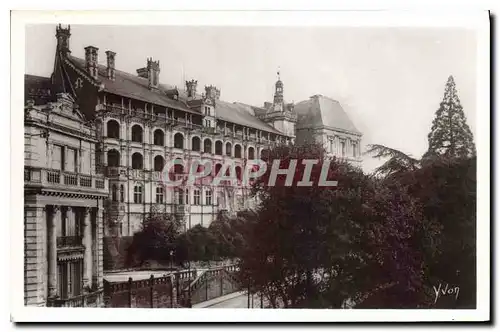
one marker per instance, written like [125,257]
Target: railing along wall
[160,292]
[213,283]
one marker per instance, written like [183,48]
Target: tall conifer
[450,135]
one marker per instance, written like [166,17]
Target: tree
[397,164]
[155,240]
[316,247]
[450,135]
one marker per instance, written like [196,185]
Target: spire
[278,90]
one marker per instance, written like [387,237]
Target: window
[196,197]
[58,157]
[178,141]
[195,143]
[159,195]
[251,153]
[137,194]
[158,163]
[71,160]
[113,158]
[70,278]
[354,149]
[122,193]
[159,137]
[207,146]
[218,148]
[137,134]
[342,147]
[208,197]
[331,145]
[187,196]
[113,129]
[179,196]
[114,193]
[237,151]
[228,149]
[137,162]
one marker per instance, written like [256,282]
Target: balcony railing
[69,241]
[63,180]
[94,299]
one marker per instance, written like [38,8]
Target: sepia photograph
[261,165]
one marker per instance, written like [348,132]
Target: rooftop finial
[278,73]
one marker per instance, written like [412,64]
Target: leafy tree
[155,240]
[450,135]
[397,164]
[320,246]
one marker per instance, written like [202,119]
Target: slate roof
[133,86]
[37,88]
[321,111]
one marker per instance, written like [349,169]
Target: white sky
[389,80]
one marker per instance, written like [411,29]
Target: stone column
[54,215]
[87,243]
[97,245]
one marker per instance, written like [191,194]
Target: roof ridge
[125,82]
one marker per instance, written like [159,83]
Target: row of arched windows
[159,161]
[113,129]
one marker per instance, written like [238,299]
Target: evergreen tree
[450,135]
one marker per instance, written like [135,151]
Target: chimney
[91,61]
[62,36]
[153,73]
[191,89]
[110,69]
[212,92]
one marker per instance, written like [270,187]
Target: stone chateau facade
[96,141]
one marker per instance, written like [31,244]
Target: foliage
[450,135]
[155,240]
[318,246]
[398,161]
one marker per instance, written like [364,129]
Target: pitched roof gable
[321,111]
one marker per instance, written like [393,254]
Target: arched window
[237,151]
[159,137]
[207,145]
[113,129]
[238,172]
[195,143]
[218,148]
[178,141]
[138,194]
[158,163]
[217,169]
[114,193]
[251,153]
[137,161]
[177,171]
[122,193]
[113,158]
[228,149]
[264,154]
[137,133]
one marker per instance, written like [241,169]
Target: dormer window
[207,110]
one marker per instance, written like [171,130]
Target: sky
[390,81]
